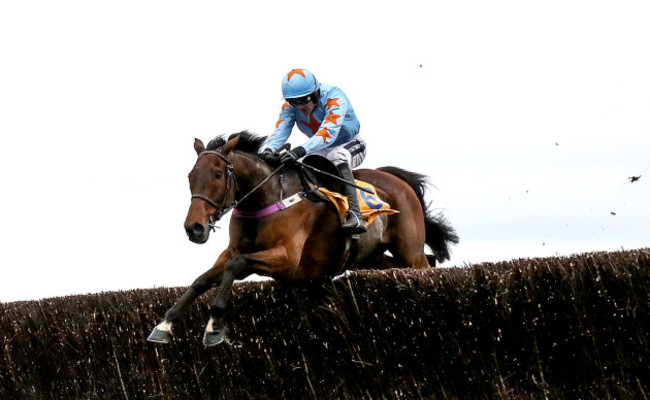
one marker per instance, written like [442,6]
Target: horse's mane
[248,142]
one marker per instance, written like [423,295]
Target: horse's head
[212,183]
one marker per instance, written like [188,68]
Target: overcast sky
[529,117]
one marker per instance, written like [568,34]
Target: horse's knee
[205,281]
[200,284]
[236,265]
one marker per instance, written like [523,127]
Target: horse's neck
[250,172]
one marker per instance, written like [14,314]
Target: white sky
[529,117]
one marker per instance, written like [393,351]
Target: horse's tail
[439,233]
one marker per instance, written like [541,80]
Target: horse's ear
[230,145]
[198,146]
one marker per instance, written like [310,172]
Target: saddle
[322,187]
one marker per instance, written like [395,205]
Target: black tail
[439,233]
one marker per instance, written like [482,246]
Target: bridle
[231,182]
[231,185]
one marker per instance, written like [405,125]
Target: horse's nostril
[195,231]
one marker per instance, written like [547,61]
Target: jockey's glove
[293,155]
[270,156]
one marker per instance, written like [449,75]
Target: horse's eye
[218,175]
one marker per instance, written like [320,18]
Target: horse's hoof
[158,336]
[214,338]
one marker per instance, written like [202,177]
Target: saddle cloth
[370,204]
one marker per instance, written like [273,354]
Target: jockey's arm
[282,131]
[336,108]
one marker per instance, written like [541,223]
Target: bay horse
[300,242]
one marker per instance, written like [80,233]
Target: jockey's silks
[332,122]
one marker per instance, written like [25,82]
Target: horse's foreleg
[267,261]
[215,331]
[162,333]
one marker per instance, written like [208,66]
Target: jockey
[323,113]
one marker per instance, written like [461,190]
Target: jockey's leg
[347,156]
[353,219]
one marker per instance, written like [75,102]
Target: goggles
[299,101]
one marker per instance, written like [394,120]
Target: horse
[278,230]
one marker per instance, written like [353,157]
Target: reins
[231,182]
[275,171]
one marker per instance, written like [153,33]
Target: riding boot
[353,220]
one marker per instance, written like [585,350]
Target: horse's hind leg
[407,246]
[162,333]
[409,256]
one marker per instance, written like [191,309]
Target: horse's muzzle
[197,233]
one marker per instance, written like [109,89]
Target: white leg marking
[164,326]
[210,327]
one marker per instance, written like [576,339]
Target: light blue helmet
[299,83]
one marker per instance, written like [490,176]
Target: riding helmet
[298,83]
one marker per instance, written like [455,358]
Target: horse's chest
[245,239]
[248,244]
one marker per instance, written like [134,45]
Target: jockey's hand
[270,156]
[293,155]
